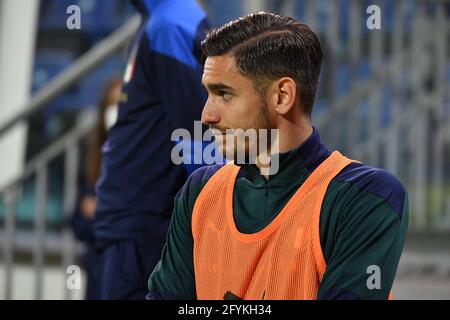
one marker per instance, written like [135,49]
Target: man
[162,92]
[322,227]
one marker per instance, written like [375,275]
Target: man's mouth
[220,132]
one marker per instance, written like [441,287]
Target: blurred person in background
[162,92]
[82,221]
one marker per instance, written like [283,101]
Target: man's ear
[283,95]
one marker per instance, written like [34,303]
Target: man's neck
[288,138]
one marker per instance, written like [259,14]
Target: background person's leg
[122,277]
[126,266]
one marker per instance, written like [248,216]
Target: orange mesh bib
[282,261]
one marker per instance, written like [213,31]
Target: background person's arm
[177,74]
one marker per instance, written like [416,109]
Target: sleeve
[173,276]
[178,75]
[368,242]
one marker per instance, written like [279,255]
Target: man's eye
[225,95]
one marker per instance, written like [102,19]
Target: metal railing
[67,146]
[75,72]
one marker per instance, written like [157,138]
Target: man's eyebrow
[218,87]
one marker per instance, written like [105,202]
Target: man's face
[233,103]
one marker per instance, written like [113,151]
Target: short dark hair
[267,46]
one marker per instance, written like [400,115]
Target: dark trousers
[126,267]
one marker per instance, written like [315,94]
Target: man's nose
[209,114]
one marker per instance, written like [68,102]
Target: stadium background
[383,99]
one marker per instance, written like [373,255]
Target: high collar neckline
[293,164]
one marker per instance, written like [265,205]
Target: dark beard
[261,123]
